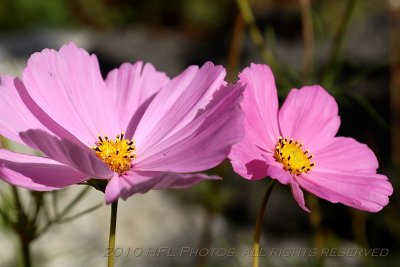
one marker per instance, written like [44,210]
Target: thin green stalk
[339,40]
[235,48]
[259,222]
[111,237]
[255,33]
[26,253]
[372,112]
[21,228]
[59,216]
[206,238]
[308,39]
[315,221]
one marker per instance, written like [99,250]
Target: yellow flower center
[117,154]
[294,159]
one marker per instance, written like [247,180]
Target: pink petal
[115,187]
[298,195]
[40,115]
[346,154]
[177,104]
[67,85]
[260,105]
[309,115]
[132,86]
[247,160]
[364,191]
[202,143]
[280,174]
[276,170]
[74,155]
[182,180]
[36,173]
[15,116]
[140,182]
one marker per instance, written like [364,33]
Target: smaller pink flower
[136,130]
[297,145]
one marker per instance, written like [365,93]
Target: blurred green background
[351,47]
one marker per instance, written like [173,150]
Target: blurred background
[351,47]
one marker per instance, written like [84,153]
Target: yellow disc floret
[117,154]
[292,156]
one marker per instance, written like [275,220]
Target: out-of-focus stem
[26,252]
[235,48]
[21,229]
[315,221]
[394,20]
[255,33]
[308,39]
[259,223]
[205,238]
[359,227]
[339,37]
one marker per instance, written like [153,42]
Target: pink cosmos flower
[134,129]
[297,145]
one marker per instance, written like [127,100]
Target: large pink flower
[133,129]
[297,145]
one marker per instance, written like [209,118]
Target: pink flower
[134,129]
[297,145]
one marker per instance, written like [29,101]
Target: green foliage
[20,14]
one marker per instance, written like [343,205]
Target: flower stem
[255,33]
[111,237]
[308,39]
[260,216]
[21,226]
[26,254]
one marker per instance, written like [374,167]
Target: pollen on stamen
[294,159]
[117,154]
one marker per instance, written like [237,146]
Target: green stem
[26,254]
[260,217]
[111,237]
[21,229]
[255,33]
[315,221]
[339,39]
[308,39]
[235,49]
